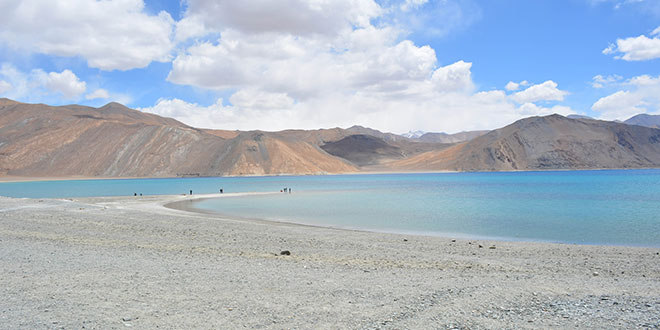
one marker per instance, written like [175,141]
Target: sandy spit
[118,262]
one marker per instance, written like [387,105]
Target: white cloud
[620,105]
[453,77]
[296,17]
[512,86]
[303,67]
[600,81]
[287,71]
[110,35]
[546,91]
[4,86]
[256,99]
[641,48]
[412,4]
[40,86]
[98,94]
[65,82]
[641,95]
[429,110]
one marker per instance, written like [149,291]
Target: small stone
[285,253]
[492,247]
[230,309]
[127,319]
[453,241]
[480,246]
[405,240]
[595,274]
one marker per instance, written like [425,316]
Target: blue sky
[444,65]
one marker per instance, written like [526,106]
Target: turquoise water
[614,207]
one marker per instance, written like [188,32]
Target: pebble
[285,253]
[595,274]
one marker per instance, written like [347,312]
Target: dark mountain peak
[644,119]
[114,106]
[576,116]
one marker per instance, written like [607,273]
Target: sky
[392,65]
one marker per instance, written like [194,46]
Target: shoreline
[5,179]
[183,205]
[113,262]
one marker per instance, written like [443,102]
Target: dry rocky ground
[113,263]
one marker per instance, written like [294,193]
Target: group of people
[285,190]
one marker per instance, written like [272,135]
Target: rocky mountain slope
[643,119]
[114,141]
[551,142]
[38,140]
[451,138]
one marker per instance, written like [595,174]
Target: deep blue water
[614,207]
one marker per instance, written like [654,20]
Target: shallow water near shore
[610,207]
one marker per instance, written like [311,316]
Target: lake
[611,207]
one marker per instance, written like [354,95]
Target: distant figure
[289,190]
[285,189]
[221,190]
[191,192]
[134,194]
[140,194]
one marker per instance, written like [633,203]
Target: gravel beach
[119,262]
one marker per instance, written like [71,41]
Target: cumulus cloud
[65,82]
[285,70]
[297,17]
[641,48]
[98,94]
[641,94]
[40,86]
[304,67]
[449,112]
[110,35]
[514,86]
[546,91]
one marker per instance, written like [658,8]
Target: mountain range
[38,140]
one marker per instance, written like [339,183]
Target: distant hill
[38,140]
[363,150]
[576,116]
[551,142]
[644,120]
[451,138]
[413,134]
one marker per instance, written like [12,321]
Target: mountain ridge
[38,140]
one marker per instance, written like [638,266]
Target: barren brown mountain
[38,140]
[113,141]
[551,142]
